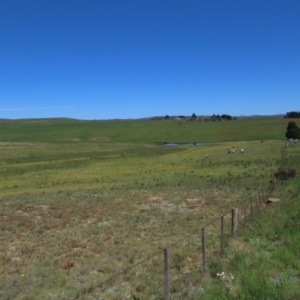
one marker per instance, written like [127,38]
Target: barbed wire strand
[90,290]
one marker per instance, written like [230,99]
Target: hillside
[64,130]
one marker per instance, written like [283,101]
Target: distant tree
[220,117]
[194,116]
[292,131]
[292,114]
[167,117]
[226,117]
[181,117]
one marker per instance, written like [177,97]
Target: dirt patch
[16,144]
[193,200]
[155,199]
[101,139]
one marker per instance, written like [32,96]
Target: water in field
[187,144]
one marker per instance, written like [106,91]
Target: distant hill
[264,116]
[71,120]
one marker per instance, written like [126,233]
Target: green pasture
[141,131]
[36,168]
[82,200]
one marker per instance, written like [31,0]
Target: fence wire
[145,279]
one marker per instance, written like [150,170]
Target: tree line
[214,117]
[292,114]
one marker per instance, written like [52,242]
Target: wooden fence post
[203,242]
[266,194]
[166,275]
[234,221]
[274,184]
[222,235]
[245,215]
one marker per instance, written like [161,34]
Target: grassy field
[141,131]
[81,200]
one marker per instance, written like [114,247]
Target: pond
[187,144]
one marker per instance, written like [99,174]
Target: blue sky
[106,59]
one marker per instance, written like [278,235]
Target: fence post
[274,184]
[234,221]
[222,235]
[166,275]
[245,215]
[260,195]
[266,195]
[203,242]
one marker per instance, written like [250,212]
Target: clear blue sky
[106,59]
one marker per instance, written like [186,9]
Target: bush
[282,174]
[293,131]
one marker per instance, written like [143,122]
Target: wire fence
[176,270]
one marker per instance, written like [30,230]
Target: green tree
[292,114]
[226,117]
[214,118]
[292,131]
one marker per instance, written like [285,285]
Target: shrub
[282,174]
